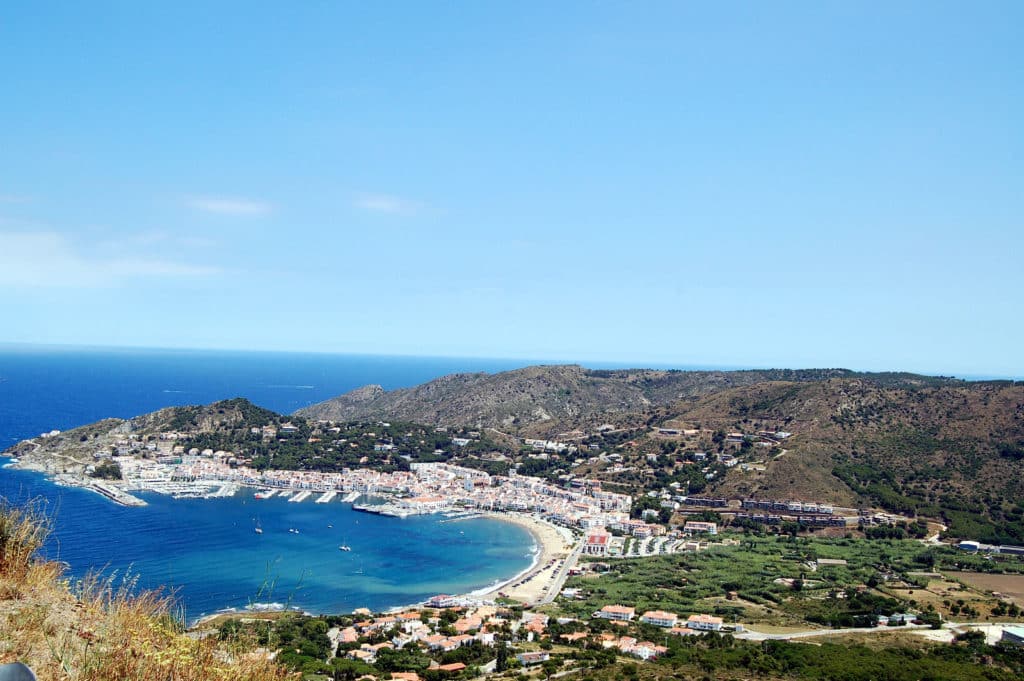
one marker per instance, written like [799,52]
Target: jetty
[326,497]
[301,496]
[226,490]
[266,494]
[116,495]
[392,510]
[351,497]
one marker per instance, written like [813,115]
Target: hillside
[933,447]
[249,434]
[939,447]
[98,631]
[543,400]
[953,450]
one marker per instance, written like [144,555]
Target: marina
[300,497]
[326,497]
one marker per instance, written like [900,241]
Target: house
[453,668]
[645,650]
[442,601]
[615,612]
[1013,636]
[704,622]
[464,624]
[405,676]
[536,623]
[659,618]
[694,526]
[436,642]
[597,544]
[527,659]
[361,655]
[460,640]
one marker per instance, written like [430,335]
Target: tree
[501,663]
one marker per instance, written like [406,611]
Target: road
[555,587]
[810,633]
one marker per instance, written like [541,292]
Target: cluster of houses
[365,639]
[426,488]
[409,627]
[645,650]
[659,618]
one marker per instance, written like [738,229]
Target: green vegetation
[107,470]
[711,654]
[926,489]
[293,443]
[776,579]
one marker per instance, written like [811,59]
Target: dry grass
[100,630]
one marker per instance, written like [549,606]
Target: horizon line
[979,376]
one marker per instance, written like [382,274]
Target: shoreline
[549,543]
[529,584]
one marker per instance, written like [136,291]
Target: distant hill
[935,447]
[940,447]
[542,400]
[948,449]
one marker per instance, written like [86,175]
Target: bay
[205,552]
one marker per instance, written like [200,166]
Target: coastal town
[589,532]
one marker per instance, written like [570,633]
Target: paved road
[809,633]
[555,587]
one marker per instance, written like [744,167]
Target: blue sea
[206,552]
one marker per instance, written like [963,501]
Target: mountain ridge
[543,399]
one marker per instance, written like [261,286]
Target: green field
[776,580]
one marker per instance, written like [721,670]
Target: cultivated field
[1010,586]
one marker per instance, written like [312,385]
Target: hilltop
[933,446]
[928,447]
[948,450]
[543,400]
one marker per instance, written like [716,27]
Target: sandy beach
[554,543]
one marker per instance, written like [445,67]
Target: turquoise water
[206,551]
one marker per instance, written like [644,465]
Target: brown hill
[948,449]
[543,400]
[935,446]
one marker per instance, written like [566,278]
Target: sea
[205,553]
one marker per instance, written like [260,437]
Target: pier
[392,510]
[351,497]
[326,497]
[116,495]
[301,496]
[226,490]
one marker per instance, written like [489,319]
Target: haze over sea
[207,550]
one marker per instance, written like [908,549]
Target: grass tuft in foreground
[100,629]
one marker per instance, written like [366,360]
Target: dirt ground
[1009,586]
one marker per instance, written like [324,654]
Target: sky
[796,184]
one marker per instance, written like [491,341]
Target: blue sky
[758,184]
